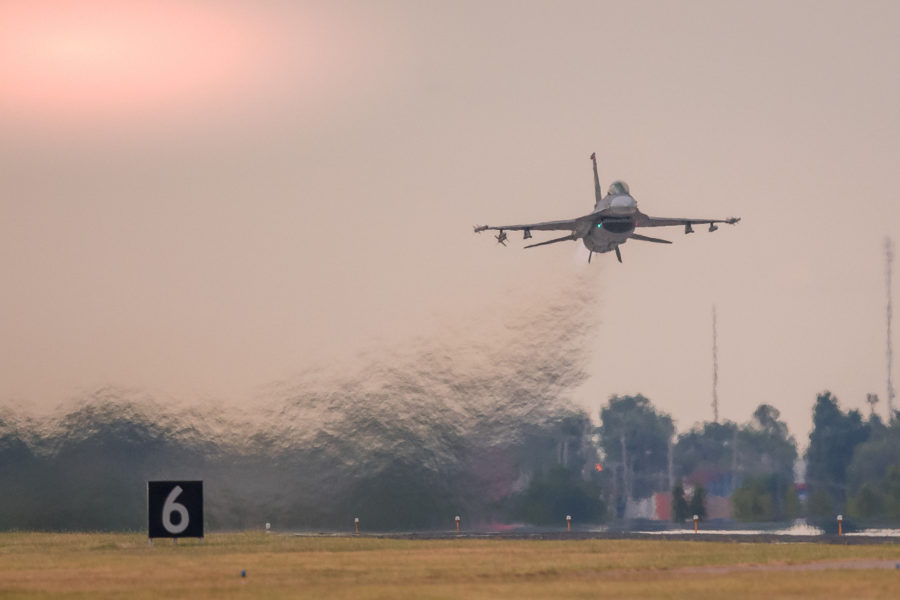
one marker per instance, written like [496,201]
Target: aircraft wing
[643,220]
[580,224]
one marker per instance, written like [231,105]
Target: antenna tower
[889,263]
[715,349]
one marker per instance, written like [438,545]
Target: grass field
[38,565]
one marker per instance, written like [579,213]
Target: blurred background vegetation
[87,468]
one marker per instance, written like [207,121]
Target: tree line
[413,470]
[852,463]
[312,464]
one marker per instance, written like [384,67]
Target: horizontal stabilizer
[562,239]
[644,238]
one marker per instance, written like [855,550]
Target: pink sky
[199,199]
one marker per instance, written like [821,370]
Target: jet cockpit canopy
[619,188]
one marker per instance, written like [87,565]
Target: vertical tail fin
[598,193]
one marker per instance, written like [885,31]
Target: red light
[598,467]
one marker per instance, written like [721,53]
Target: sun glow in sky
[79,63]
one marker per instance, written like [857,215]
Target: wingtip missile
[733,220]
[479,228]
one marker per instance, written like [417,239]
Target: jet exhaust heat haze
[406,441]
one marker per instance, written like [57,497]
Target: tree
[872,458]
[20,469]
[560,492]
[767,450]
[753,501]
[792,505]
[892,493]
[635,436]
[867,474]
[872,400]
[766,446]
[764,498]
[698,502]
[867,504]
[820,505]
[717,455]
[707,448]
[680,510]
[834,438]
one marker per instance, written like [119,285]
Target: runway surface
[701,536]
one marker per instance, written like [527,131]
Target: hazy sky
[198,199]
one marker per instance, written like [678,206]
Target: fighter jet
[612,222]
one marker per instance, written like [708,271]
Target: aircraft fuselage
[614,227]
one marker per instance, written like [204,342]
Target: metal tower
[715,350]
[889,261]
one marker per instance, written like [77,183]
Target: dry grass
[34,565]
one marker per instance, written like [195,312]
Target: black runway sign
[175,509]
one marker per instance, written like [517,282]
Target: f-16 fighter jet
[612,223]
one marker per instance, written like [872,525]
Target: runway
[701,536]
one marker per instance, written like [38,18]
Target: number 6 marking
[171,506]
